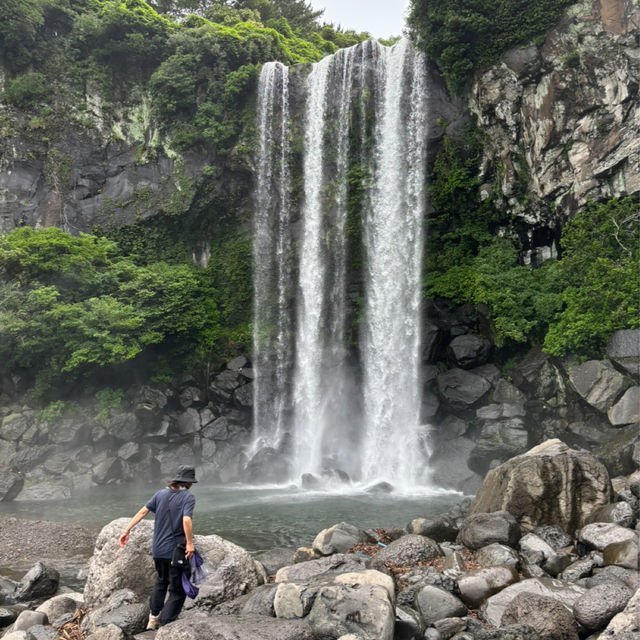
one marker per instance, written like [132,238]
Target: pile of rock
[548,550]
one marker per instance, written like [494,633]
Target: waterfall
[346,404]
[272,258]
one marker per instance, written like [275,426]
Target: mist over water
[325,399]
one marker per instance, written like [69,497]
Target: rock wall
[562,121]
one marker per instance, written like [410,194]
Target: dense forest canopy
[73,307]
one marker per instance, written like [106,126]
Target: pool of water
[256,518]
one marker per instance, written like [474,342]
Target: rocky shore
[548,549]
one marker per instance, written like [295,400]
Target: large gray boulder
[624,625]
[476,586]
[498,440]
[595,608]
[624,349]
[621,453]
[407,551]
[366,610]
[40,581]
[600,535]
[627,409]
[461,389]
[225,627]
[10,485]
[496,554]
[622,554]
[434,603]
[232,571]
[481,529]
[599,383]
[57,606]
[329,566]
[124,609]
[29,619]
[550,484]
[564,592]
[338,539]
[469,351]
[550,619]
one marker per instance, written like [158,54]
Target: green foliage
[71,306]
[107,399]
[26,90]
[20,22]
[600,272]
[54,411]
[464,35]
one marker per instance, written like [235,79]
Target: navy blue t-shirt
[170,507]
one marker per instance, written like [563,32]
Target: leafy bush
[26,90]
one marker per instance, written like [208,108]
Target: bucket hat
[185,474]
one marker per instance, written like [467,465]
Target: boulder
[498,440]
[461,389]
[407,551]
[338,539]
[58,606]
[550,484]
[275,559]
[293,600]
[449,466]
[595,608]
[497,554]
[329,566]
[564,592]
[365,610]
[419,577]
[622,554]
[43,632]
[123,609]
[225,627]
[39,582]
[621,453]
[613,573]
[599,383]
[469,351]
[553,535]
[441,528]
[110,632]
[620,513]
[599,535]
[535,550]
[481,529]
[627,409]
[476,586]
[28,619]
[624,349]
[10,485]
[581,568]
[548,617]
[434,603]
[624,625]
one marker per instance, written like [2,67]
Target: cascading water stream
[364,114]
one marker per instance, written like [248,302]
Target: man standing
[173,508]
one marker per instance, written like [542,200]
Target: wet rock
[407,551]
[233,627]
[595,608]
[548,617]
[553,535]
[617,454]
[449,627]
[58,606]
[582,568]
[267,465]
[243,396]
[627,409]
[238,363]
[420,577]
[122,609]
[124,426]
[500,411]
[435,604]
[535,550]
[293,600]
[549,484]
[498,440]
[380,487]
[613,573]
[507,393]
[408,624]
[497,554]
[39,582]
[624,349]
[481,529]
[338,539]
[476,586]
[148,403]
[469,351]
[564,592]
[623,554]
[599,535]
[449,465]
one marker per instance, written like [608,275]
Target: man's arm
[134,521]
[187,525]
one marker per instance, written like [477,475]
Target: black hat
[185,474]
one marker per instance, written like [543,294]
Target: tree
[20,21]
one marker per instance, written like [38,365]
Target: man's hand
[189,549]
[123,539]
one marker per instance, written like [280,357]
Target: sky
[381,18]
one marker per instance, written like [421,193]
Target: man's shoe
[154,622]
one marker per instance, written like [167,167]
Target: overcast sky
[381,18]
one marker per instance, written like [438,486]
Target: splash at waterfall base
[338,234]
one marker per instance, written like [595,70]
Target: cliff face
[562,120]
